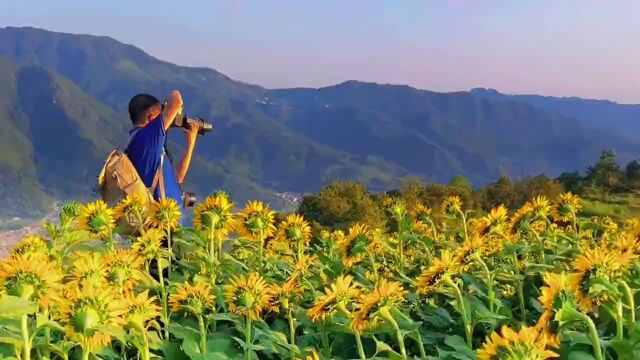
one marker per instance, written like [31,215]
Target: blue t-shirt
[145,149]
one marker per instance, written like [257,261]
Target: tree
[605,174]
[632,174]
[572,181]
[341,204]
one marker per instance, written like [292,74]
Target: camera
[185,122]
[188,199]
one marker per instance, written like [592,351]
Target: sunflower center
[246,299]
[294,233]
[256,224]
[97,222]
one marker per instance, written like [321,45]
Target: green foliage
[341,204]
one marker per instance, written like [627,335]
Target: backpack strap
[158,179]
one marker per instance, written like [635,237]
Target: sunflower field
[541,283]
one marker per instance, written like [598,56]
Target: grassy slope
[617,207]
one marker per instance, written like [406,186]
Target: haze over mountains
[63,108]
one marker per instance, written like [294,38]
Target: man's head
[144,108]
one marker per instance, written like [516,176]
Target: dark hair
[139,105]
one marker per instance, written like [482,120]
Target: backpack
[119,178]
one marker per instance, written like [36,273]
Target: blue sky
[587,48]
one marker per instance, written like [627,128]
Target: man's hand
[192,133]
[173,106]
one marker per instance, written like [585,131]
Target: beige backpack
[119,178]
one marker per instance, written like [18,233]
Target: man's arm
[173,105]
[181,170]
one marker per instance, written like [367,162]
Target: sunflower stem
[423,353]
[163,295]
[631,304]
[489,278]
[247,339]
[359,345]
[619,316]
[325,340]
[47,337]
[519,289]
[203,335]
[26,342]
[468,331]
[170,247]
[464,223]
[394,324]
[292,331]
[85,354]
[593,335]
[145,344]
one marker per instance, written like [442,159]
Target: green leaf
[383,347]
[12,306]
[580,355]
[171,350]
[184,332]
[458,344]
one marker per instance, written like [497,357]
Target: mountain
[265,141]
[603,114]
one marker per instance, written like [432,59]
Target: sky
[586,48]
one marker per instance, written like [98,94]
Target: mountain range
[63,108]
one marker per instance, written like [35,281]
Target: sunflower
[304,266]
[557,287]
[294,229]
[165,214]
[215,215]
[97,219]
[132,207]
[421,213]
[149,245]
[88,270]
[542,208]
[355,245]
[592,266]
[124,269]
[194,299]
[256,221]
[34,278]
[283,296]
[70,211]
[91,317]
[520,220]
[494,222]
[141,310]
[528,343]
[30,245]
[568,206]
[248,295]
[375,305]
[452,206]
[339,294]
[429,281]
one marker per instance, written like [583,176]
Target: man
[146,149]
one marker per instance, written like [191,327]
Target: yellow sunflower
[124,269]
[452,206]
[256,220]
[30,245]
[131,207]
[88,270]
[194,299]
[294,229]
[521,218]
[430,280]
[165,214]
[528,343]
[542,208]
[421,213]
[149,245]
[141,310]
[374,307]
[342,292]
[568,206]
[495,221]
[594,264]
[90,317]
[214,215]
[355,245]
[97,219]
[283,296]
[247,296]
[556,285]
[35,278]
